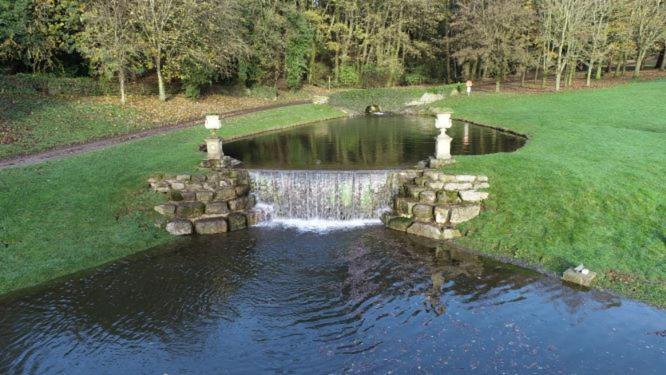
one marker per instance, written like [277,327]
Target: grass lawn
[590,185]
[71,214]
[33,123]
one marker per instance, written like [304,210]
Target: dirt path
[64,151]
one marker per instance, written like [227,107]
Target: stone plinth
[214,148]
[580,278]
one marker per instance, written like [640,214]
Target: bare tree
[647,22]
[108,39]
[497,32]
[599,15]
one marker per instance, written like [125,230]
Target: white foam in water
[319,225]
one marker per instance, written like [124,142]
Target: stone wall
[432,204]
[214,202]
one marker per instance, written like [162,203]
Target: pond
[273,299]
[365,142]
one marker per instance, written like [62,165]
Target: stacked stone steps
[216,202]
[432,204]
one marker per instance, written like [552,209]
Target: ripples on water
[357,300]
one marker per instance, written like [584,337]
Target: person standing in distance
[469,86]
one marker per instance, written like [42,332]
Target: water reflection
[365,142]
[362,300]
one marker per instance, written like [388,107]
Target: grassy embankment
[588,187]
[71,214]
[31,121]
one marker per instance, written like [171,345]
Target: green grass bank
[71,214]
[588,187]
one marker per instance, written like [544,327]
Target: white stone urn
[443,120]
[213,143]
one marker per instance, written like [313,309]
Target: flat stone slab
[213,225]
[179,227]
[573,276]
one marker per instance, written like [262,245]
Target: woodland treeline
[330,42]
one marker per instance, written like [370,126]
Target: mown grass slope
[590,185]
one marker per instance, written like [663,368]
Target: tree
[495,31]
[108,39]
[568,17]
[599,14]
[647,22]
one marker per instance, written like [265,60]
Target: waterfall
[323,194]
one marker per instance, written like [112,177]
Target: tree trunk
[558,79]
[160,80]
[661,60]
[497,85]
[639,61]
[121,79]
[589,73]
[522,79]
[598,75]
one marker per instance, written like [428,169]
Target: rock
[572,276]
[422,212]
[473,196]
[428,196]
[162,187]
[183,177]
[425,230]
[436,185]
[465,178]
[444,196]
[426,98]
[205,195]
[447,178]
[242,190]
[440,163]
[421,181]
[179,227]
[176,195]
[448,234]
[385,217]
[211,225]
[255,216]
[404,205]
[236,221]
[442,214]
[432,175]
[482,178]
[481,185]
[461,214]
[200,178]
[319,99]
[225,194]
[414,191]
[217,207]
[457,186]
[400,223]
[190,209]
[238,204]
[168,210]
[188,195]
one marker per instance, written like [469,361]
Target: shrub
[263,92]
[349,76]
[375,76]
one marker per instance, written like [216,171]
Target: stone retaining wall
[215,202]
[432,204]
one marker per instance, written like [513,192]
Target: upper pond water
[365,142]
[361,300]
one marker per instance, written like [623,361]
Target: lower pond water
[274,299]
[365,142]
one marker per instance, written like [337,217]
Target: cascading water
[322,194]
